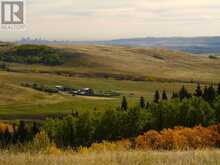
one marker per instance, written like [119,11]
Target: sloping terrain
[124,63]
[147,64]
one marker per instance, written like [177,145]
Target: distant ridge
[197,45]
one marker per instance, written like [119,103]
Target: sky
[112,19]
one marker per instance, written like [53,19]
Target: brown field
[146,63]
[131,63]
[199,157]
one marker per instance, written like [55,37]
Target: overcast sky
[110,19]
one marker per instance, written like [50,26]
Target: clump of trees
[185,108]
[85,129]
[209,94]
[19,133]
[32,54]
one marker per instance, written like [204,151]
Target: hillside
[127,63]
[144,64]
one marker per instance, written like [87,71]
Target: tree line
[21,133]
[32,54]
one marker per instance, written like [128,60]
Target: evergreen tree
[218,90]
[198,92]
[183,93]
[142,102]
[157,96]
[124,104]
[211,93]
[164,96]
[22,132]
[147,105]
[175,95]
[7,137]
[205,94]
[35,129]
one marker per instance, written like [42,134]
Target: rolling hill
[124,63]
[142,64]
[131,71]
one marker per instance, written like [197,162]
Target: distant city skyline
[78,20]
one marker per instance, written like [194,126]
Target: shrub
[213,57]
[106,146]
[41,141]
[180,138]
[149,140]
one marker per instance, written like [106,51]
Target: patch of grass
[203,157]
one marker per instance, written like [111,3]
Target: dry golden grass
[203,157]
[149,63]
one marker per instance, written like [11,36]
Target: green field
[101,68]
[17,101]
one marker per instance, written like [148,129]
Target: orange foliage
[180,138]
[4,127]
[150,140]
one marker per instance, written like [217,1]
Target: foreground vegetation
[203,157]
[148,148]
[188,146]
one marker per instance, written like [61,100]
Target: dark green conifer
[142,102]
[124,104]
[198,92]
[157,96]
[164,95]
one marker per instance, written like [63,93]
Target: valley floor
[202,157]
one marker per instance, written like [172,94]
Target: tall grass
[202,157]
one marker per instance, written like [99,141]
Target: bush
[149,140]
[213,57]
[180,138]
[106,146]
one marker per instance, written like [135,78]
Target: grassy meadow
[17,101]
[198,157]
